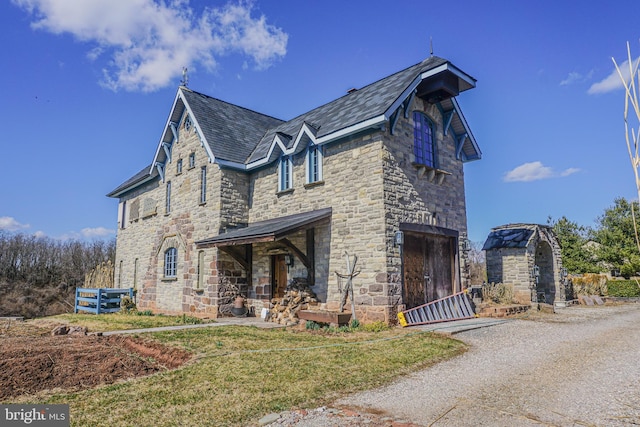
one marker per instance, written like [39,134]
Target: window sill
[313,184]
[169,279]
[432,174]
[283,192]
[202,204]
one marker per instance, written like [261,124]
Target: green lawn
[241,373]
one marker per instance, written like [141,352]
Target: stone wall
[413,196]
[149,230]
[515,265]
[369,181]
[352,187]
[511,266]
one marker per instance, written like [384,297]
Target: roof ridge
[232,104]
[430,59]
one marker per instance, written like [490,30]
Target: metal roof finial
[185,77]
[431,45]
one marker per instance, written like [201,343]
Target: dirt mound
[31,364]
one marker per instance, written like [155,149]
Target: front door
[279,278]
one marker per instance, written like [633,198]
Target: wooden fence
[100,300]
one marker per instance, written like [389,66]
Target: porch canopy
[269,230]
[237,243]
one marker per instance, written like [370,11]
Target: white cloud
[149,42]
[535,171]
[575,77]
[569,171]
[612,81]
[10,224]
[97,232]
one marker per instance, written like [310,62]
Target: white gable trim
[170,128]
[278,142]
[375,121]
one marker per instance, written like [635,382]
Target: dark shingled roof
[230,130]
[511,236]
[269,230]
[355,107]
[136,179]
[242,136]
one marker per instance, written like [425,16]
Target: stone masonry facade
[369,180]
[516,266]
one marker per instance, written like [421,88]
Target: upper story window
[192,160]
[285,175]
[424,144]
[123,214]
[168,199]
[203,185]
[170,262]
[188,124]
[179,167]
[314,164]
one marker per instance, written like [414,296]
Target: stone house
[234,197]
[528,257]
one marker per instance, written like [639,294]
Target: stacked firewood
[297,296]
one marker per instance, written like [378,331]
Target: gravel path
[579,367]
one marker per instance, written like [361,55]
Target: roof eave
[119,192]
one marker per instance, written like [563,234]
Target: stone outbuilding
[528,257]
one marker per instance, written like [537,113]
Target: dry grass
[113,322]
[241,373]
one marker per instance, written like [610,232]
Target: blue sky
[87,87]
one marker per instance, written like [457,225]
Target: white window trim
[167,205]
[282,171]
[171,265]
[319,161]
[203,185]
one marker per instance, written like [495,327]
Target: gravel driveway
[578,367]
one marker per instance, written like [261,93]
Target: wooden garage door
[439,266]
[414,271]
[428,268]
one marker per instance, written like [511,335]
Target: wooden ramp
[454,307]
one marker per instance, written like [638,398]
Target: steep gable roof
[230,131]
[367,107]
[240,138]
[141,177]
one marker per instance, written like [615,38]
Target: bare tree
[477,264]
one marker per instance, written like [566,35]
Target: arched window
[424,146]
[170,262]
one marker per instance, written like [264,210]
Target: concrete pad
[456,326]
